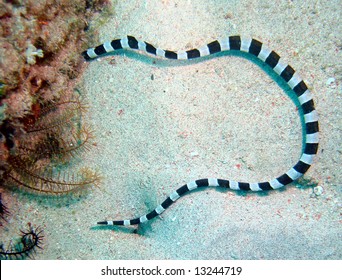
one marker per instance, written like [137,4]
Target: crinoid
[43,146]
[30,240]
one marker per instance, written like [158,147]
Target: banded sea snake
[272,59]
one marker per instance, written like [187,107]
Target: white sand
[223,117]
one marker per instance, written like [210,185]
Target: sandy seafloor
[159,125]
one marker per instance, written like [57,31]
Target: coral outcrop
[40,111]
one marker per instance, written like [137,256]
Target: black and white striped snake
[272,59]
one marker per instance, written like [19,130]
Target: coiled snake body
[273,60]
